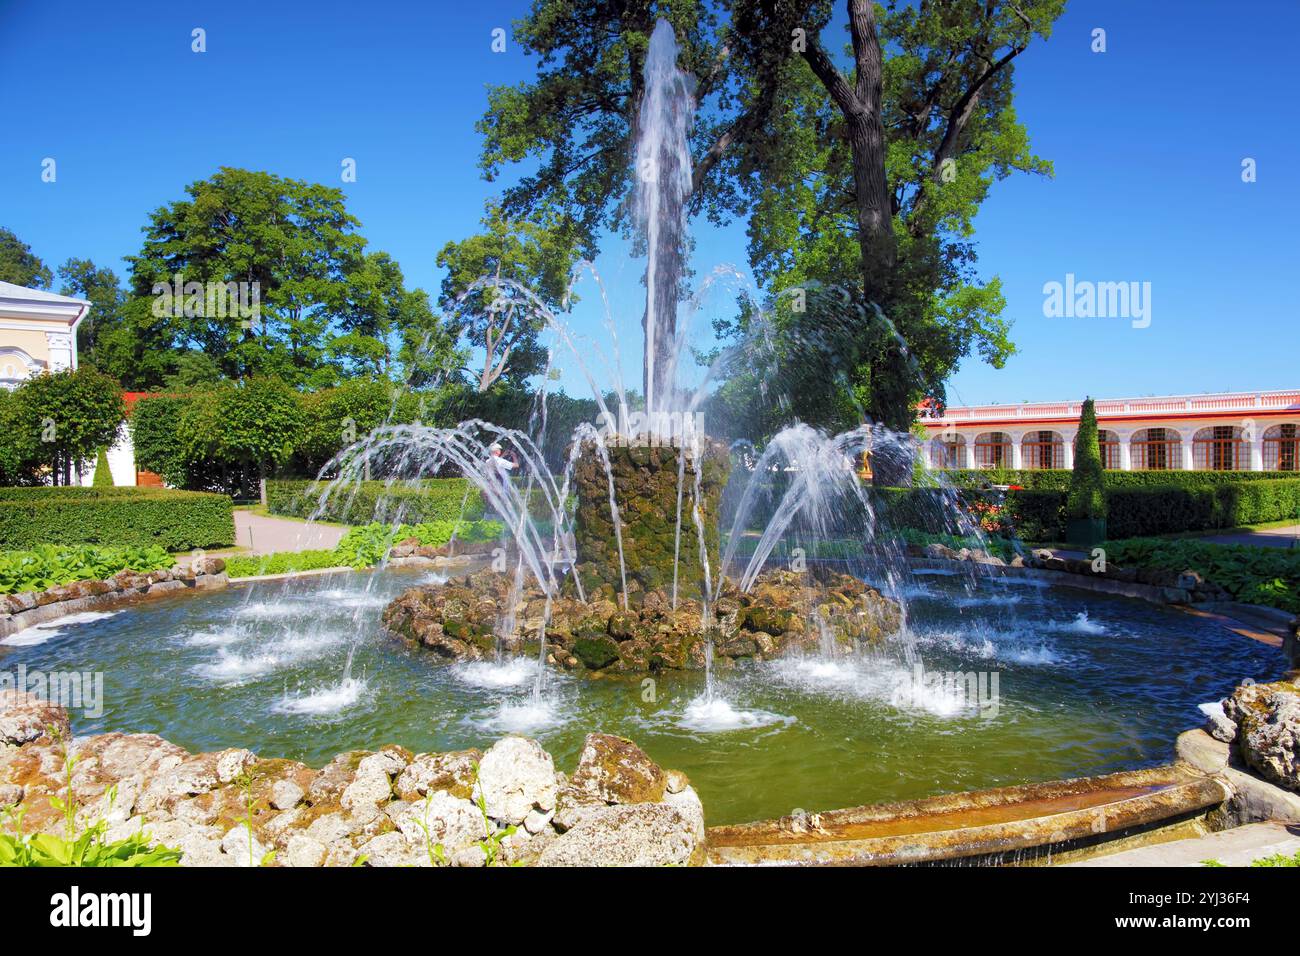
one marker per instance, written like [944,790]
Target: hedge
[127,517]
[433,499]
[1037,514]
[1058,479]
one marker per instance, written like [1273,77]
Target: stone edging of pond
[28,608]
[384,808]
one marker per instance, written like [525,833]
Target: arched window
[1282,448]
[948,452]
[1042,450]
[1220,448]
[1109,442]
[993,450]
[1157,449]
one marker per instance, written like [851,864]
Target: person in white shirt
[500,466]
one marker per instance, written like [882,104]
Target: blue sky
[1147,138]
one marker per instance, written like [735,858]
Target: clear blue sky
[1147,138]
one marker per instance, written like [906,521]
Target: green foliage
[103,339]
[156,437]
[1086,498]
[281,562]
[1277,859]
[434,499]
[327,308]
[56,423]
[784,137]
[85,849]
[499,321]
[139,517]
[103,476]
[48,565]
[361,547]
[365,546]
[1058,479]
[21,266]
[1268,576]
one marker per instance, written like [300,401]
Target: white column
[1016,457]
[1257,453]
[1189,463]
[60,346]
[1125,451]
[1068,451]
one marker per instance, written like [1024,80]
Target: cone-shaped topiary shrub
[103,477]
[1085,503]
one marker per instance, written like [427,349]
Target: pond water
[1055,683]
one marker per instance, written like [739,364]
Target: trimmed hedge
[1037,514]
[433,499]
[1058,479]
[127,517]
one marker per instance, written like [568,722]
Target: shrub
[174,520]
[1269,576]
[48,565]
[155,433]
[103,476]
[1058,479]
[282,562]
[1086,498]
[434,499]
[366,545]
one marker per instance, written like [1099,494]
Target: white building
[1229,431]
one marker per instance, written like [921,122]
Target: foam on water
[84,617]
[217,638]
[512,672]
[322,701]
[1081,624]
[236,668]
[31,636]
[523,716]
[713,715]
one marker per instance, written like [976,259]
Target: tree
[61,421]
[866,177]
[310,305]
[101,335]
[21,266]
[246,430]
[496,281]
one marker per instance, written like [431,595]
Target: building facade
[38,332]
[1230,431]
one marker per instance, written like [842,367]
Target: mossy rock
[595,652]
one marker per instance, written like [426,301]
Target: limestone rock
[1217,723]
[285,794]
[243,847]
[1268,722]
[615,770]
[304,851]
[639,834]
[231,764]
[26,718]
[515,776]
[453,822]
[452,772]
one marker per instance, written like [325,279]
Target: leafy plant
[492,837]
[48,566]
[1268,576]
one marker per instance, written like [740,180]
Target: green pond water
[1086,684]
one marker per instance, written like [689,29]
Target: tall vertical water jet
[663,175]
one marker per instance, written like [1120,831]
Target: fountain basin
[784,612]
[1022,824]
